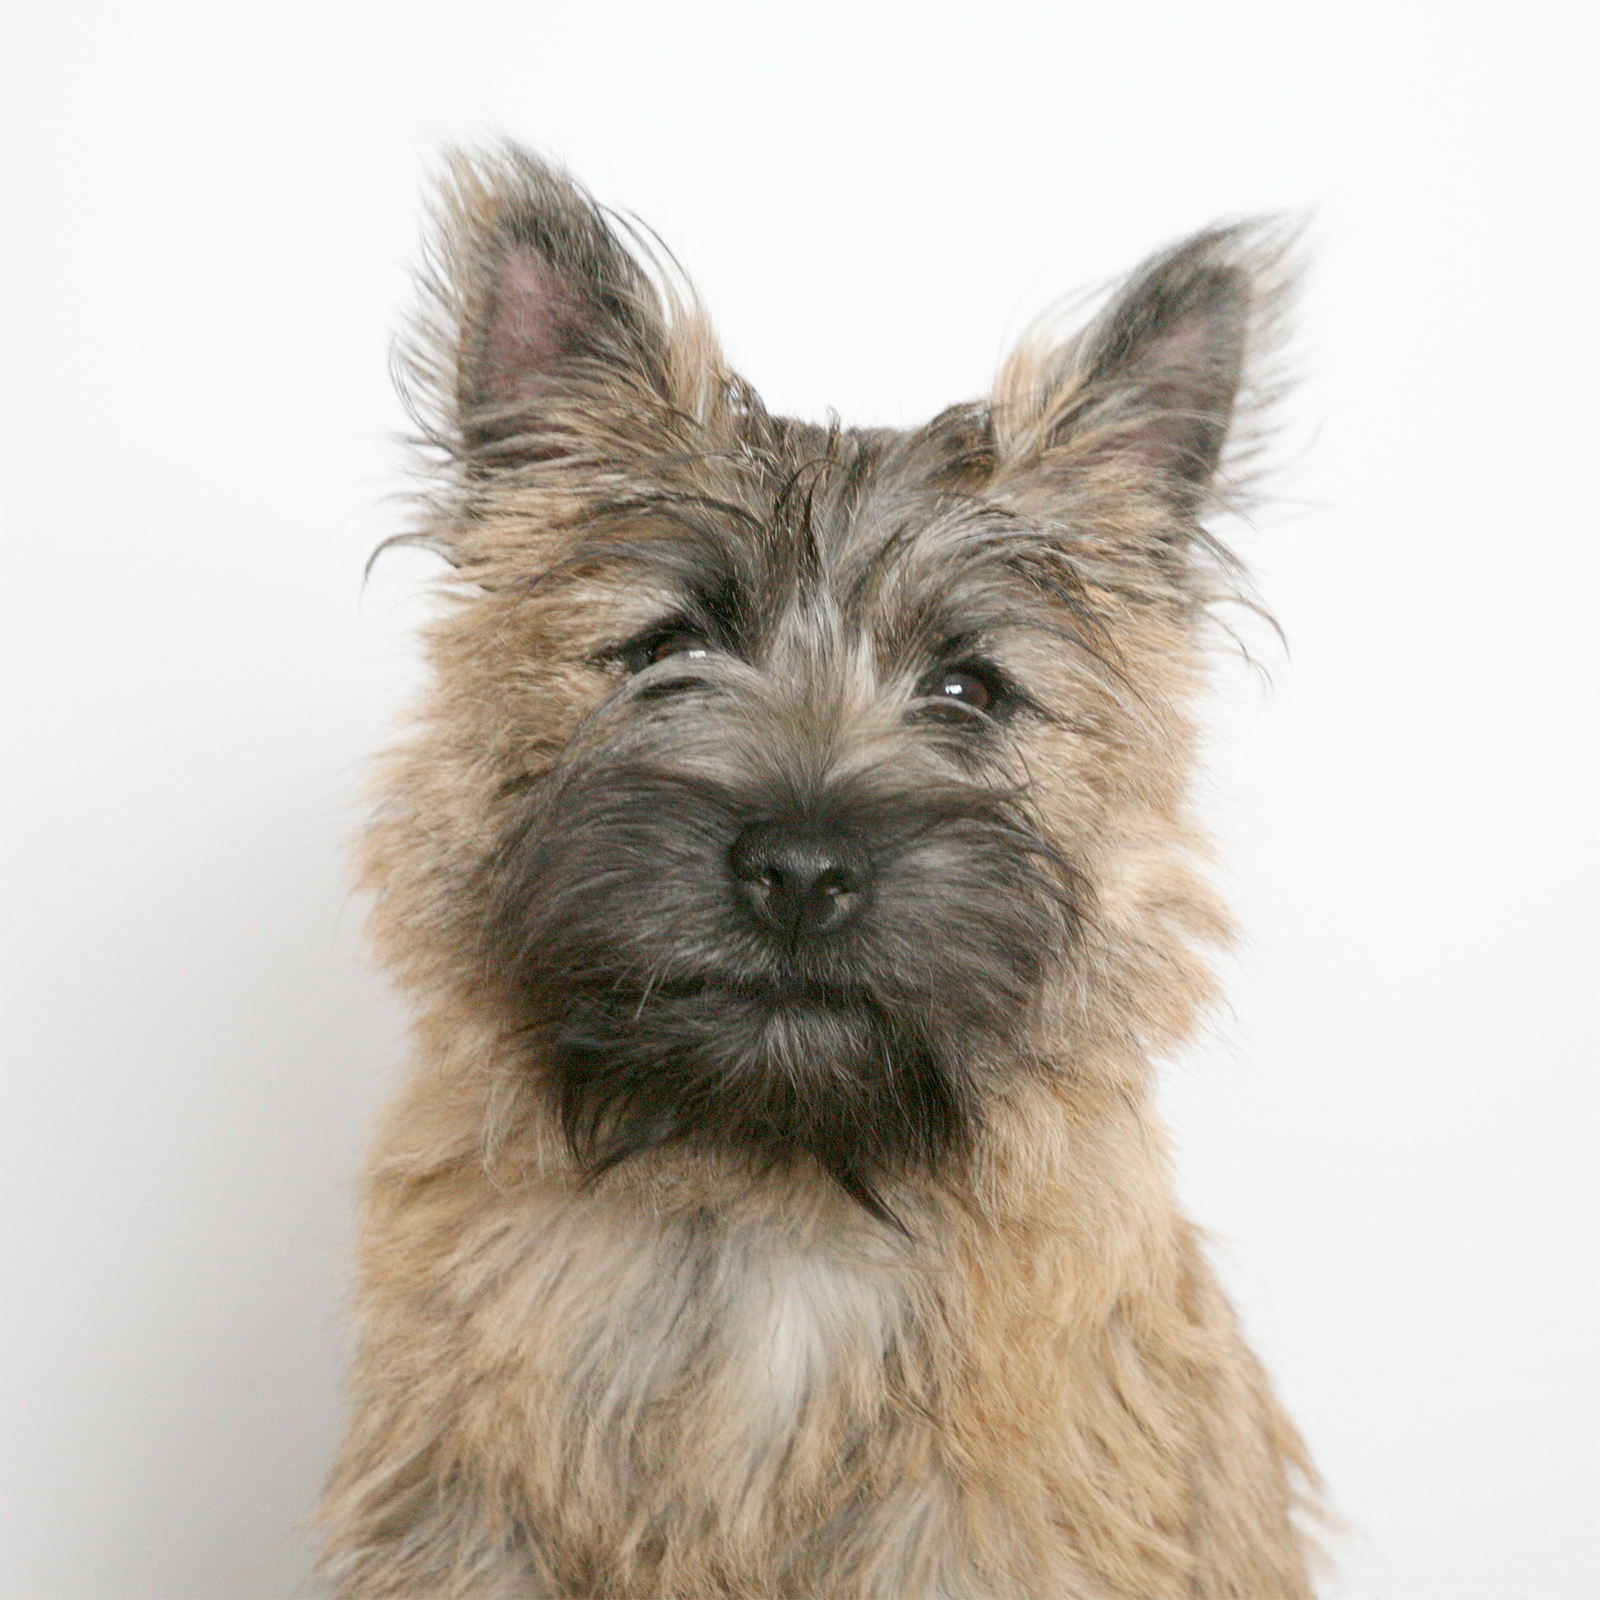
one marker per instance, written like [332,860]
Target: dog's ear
[544,327]
[1154,382]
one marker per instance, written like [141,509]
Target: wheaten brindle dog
[792,873]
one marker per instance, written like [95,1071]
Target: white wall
[210,210]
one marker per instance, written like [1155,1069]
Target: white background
[210,212]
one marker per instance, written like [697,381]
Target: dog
[792,873]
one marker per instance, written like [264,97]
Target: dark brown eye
[962,686]
[678,643]
[663,644]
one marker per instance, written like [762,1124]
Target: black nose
[799,881]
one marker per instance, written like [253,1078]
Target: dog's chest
[792,1324]
[750,1342]
[742,1404]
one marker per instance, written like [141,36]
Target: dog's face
[784,886]
[773,769]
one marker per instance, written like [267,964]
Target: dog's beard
[662,1014]
[776,1073]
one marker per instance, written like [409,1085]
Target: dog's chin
[782,1072]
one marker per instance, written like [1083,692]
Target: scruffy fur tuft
[792,873]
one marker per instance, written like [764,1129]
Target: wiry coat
[699,1262]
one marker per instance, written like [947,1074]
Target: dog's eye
[966,688]
[968,685]
[662,645]
[680,642]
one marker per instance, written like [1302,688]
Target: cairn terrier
[792,872]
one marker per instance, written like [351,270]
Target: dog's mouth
[729,1033]
[779,992]
[777,1069]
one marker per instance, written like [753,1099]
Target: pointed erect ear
[1154,381]
[543,321]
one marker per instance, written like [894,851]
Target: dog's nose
[799,881]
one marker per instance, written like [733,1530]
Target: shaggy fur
[792,874]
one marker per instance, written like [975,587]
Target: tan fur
[689,1378]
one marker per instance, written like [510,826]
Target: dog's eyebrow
[712,574]
[979,560]
[695,513]
[973,574]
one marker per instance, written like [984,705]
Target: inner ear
[1154,382]
[566,322]
[1169,354]
[535,322]
[557,323]
[555,330]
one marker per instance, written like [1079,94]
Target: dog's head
[781,783]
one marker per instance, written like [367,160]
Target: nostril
[798,880]
[836,881]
